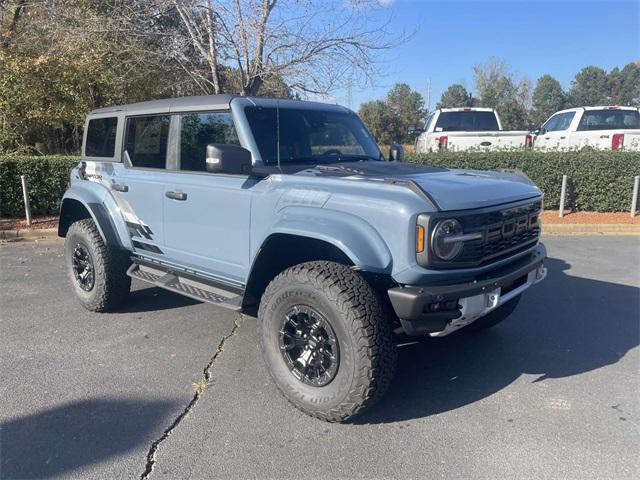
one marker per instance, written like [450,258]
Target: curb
[591,229]
[28,235]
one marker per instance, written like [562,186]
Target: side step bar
[187,284]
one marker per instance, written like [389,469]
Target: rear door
[206,215]
[141,186]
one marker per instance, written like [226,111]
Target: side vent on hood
[414,187]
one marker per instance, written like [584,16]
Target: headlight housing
[445,246]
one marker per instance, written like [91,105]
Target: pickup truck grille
[505,231]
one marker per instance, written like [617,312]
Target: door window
[428,123]
[197,130]
[146,141]
[565,120]
[552,123]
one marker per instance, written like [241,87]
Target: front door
[206,216]
[141,185]
[555,136]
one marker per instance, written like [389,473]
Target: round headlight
[444,246]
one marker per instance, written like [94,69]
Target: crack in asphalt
[151,456]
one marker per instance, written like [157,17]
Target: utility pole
[428,96]
[349,94]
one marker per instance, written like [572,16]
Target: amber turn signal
[419,239]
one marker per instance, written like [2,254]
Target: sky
[534,37]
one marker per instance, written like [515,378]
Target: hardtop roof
[209,102]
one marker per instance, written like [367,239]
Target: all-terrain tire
[493,318]
[111,284]
[367,353]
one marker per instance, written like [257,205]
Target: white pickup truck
[459,129]
[601,128]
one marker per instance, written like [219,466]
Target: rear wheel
[494,317]
[97,272]
[326,340]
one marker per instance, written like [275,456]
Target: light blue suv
[289,207]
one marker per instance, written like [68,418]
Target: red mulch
[36,223]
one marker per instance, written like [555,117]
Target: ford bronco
[290,209]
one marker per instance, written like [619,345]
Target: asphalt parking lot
[552,393]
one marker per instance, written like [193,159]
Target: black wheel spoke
[309,346]
[82,265]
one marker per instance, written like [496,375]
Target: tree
[310,45]
[382,125]
[388,120]
[498,89]
[590,86]
[548,98]
[624,85]
[456,96]
[407,107]
[67,58]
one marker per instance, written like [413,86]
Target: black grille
[504,231]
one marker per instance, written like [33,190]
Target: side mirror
[228,159]
[396,153]
[414,129]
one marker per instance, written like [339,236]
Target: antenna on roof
[278,132]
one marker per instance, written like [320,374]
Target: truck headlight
[446,240]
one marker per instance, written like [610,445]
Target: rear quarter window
[101,137]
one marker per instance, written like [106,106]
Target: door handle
[176,195]
[119,187]
[562,138]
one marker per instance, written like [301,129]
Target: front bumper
[442,309]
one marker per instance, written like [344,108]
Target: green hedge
[597,180]
[48,179]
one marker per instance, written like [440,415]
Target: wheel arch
[280,251]
[83,202]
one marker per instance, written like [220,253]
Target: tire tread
[370,329]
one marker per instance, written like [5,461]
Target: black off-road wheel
[325,340]
[97,272]
[493,318]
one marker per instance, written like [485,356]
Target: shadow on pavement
[564,326]
[56,441]
[153,299]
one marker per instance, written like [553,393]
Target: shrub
[597,180]
[48,179]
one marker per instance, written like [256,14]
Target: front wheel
[326,340]
[97,272]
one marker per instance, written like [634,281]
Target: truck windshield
[467,122]
[310,136]
[609,119]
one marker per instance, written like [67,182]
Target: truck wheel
[493,318]
[326,340]
[98,273]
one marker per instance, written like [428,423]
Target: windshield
[310,136]
[467,122]
[609,119]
